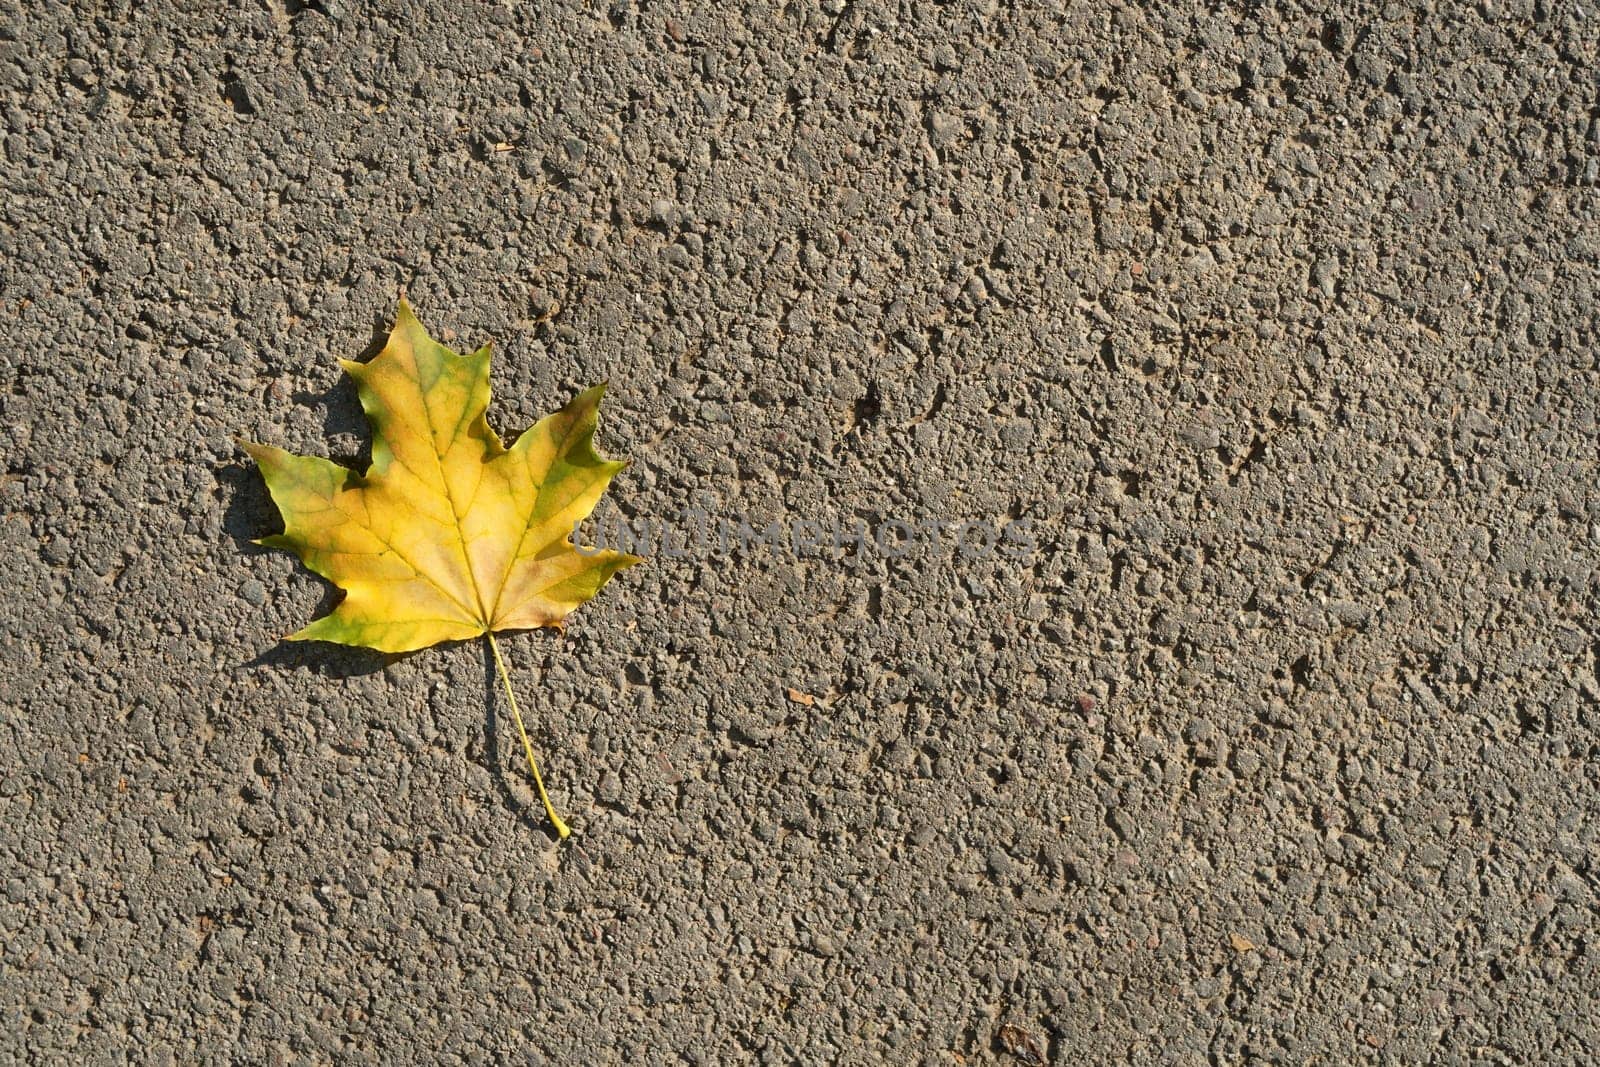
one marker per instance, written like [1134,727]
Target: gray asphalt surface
[1279,327]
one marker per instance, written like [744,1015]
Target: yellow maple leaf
[449,535]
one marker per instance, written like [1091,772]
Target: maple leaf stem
[527,746]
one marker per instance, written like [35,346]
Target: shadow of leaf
[249,512]
[324,658]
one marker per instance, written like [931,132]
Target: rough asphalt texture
[1281,328]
